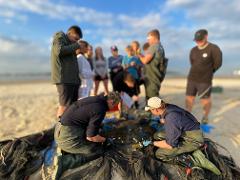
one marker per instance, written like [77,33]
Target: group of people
[74,68]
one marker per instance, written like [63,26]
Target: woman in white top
[85,73]
[101,70]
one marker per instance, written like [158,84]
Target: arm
[173,133]
[162,144]
[93,128]
[145,59]
[60,49]
[217,59]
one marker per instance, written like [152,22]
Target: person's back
[79,113]
[64,61]
[185,121]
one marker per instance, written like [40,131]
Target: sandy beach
[29,107]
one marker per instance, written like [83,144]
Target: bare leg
[207,104]
[105,83]
[60,111]
[189,101]
[96,87]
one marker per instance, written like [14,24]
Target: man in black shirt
[77,133]
[205,59]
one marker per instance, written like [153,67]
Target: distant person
[155,64]
[114,63]
[136,48]
[205,59]
[101,70]
[89,55]
[64,67]
[85,72]
[131,63]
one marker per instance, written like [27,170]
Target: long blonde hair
[99,53]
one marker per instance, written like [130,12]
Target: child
[131,64]
[85,72]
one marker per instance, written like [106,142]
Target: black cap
[200,34]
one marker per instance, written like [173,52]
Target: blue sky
[28,25]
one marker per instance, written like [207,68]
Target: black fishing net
[124,158]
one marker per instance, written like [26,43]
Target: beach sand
[30,107]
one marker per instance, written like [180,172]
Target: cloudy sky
[28,25]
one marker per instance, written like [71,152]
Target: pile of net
[124,159]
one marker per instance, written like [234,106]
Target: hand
[135,98]
[146,143]
[96,138]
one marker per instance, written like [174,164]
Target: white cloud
[56,11]
[19,56]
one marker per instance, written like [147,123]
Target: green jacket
[64,66]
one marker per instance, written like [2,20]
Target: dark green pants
[189,142]
[72,139]
[152,88]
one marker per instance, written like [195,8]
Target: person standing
[85,72]
[114,64]
[205,59]
[101,70]
[155,64]
[89,55]
[64,67]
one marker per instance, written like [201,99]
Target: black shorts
[68,93]
[99,78]
[202,90]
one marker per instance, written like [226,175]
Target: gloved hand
[146,142]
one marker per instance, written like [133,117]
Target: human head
[83,49]
[136,47]
[74,33]
[89,53]
[114,50]
[146,46]
[128,79]
[156,105]
[201,37]
[153,36]
[99,53]
[113,99]
[129,50]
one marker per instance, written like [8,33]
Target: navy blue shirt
[177,121]
[87,113]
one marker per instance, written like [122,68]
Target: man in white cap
[182,134]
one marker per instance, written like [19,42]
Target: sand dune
[26,108]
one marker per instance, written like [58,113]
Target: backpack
[163,62]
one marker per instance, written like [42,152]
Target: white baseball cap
[153,103]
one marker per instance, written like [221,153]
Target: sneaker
[204,120]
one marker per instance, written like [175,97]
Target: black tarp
[123,159]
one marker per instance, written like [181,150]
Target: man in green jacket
[64,67]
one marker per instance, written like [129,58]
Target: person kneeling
[77,132]
[182,134]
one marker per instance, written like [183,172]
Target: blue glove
[146,143]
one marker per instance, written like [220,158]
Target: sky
[27,27]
